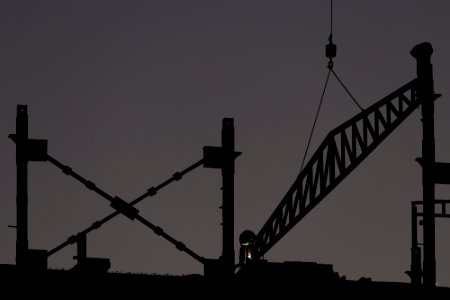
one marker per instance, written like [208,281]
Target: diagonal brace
[125,208]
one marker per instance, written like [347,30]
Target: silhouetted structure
[340,153]
[36,150]
[26,150]
[346,147]
[223,158]
[422,53]
[441,211]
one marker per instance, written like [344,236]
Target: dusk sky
[128,92]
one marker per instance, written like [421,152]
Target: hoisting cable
[315,119]
[346,89]
[331,17]
[330,52]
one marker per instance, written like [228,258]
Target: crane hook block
[330,50]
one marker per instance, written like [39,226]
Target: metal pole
[422,53]
[81,247]
[228,197]
[416,260]
[22,185]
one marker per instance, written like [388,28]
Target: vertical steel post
[22,186]
[422,53]
[228,197]
[81,247]
[416,259]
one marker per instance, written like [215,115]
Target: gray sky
[128,92]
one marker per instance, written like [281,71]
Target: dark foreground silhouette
[293,280]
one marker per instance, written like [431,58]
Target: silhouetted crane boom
[343,149]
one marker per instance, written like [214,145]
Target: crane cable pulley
[330,52]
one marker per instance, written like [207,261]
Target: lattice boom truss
[343,149]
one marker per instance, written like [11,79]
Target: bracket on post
[88,264]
